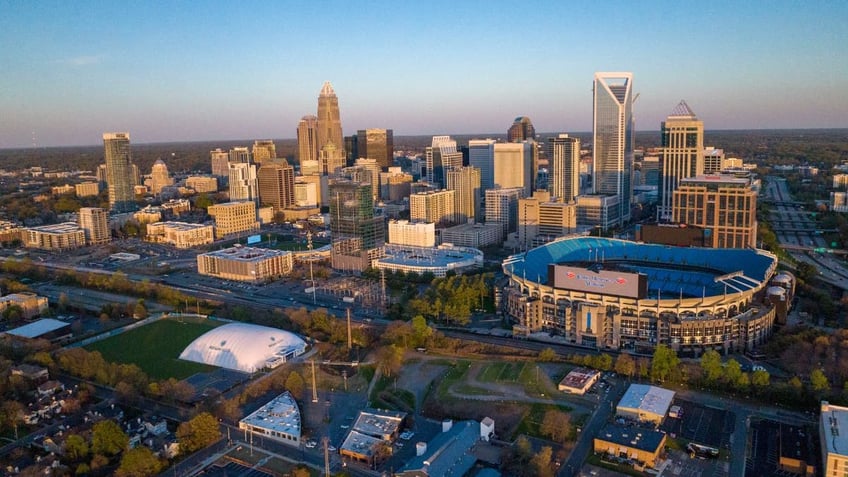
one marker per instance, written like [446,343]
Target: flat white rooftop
[279,415]
[834,428]
[246,254]
[38,328]
[649,399]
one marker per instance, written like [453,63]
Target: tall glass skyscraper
[307,138]
[612,139]
[119,172]
[377,144]
[481,154]
[330,138]
[564,156]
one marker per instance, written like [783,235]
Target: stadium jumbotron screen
[606,282]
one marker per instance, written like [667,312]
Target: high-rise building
[377,144]
[436,207]
[598,210]
[332,159]
[239,155]
[307,139]
[833,440]
[329,120]
[725,204]
[307,191]
[481,154]
[521,130]
[416,234]
[358,234]
[119,172]
[243,182]
[159,177]
[513,166]
[713,160]
[395,184]
[220,163]
[466,182]
[370,172]
[264,151]
[502,208]
[612,139]
[441,156]
[564,157]
[94,221]
[276,185]
[681,154]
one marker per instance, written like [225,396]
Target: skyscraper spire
[683,110]
[330,138]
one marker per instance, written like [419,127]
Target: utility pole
[349,338]
[312,279]
[326,456]
[314,387]
[344,375]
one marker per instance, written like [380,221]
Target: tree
[819,381]
[421,332]
[625,365]
[76,448]
[603,362]
[99,461]
[390,359]
[140,310]
[760,378]
[198,432]
[711,365]
[664,362]
[108,438]
[556,425]
[541,463]
[139,462]
[301,472]
[547,355]
[295,384]
[732,371]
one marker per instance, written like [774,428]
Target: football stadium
[615,294]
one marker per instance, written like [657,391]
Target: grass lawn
[534,416]
[155,348]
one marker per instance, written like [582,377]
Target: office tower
[94,221]
[377,144]
[264,151]
[307,193]
[243,183]
[521,130]
[513,166]
[713,160]
[239,155]
[681,154]
[159,177]
[465,181]
[436,207]
[651,171]
[329,120]
[564,159]
[220,162]
[395,184]
[358,234]
[276,185]
[725,204]
[331,159]
[307,139]
[101,173]
[119,172]
[440,157]
[234,218]
[502,208]
[612,139]
[371,174]
[481,154]
[598,210]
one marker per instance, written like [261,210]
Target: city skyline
[163,72]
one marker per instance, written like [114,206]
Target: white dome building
[244,347]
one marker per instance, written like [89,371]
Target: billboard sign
[254,239]
[604,282]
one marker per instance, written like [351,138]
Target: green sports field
[156,348]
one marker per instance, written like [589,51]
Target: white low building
[645,403]
[436,260]
[279,420]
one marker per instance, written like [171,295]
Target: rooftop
[280,414]
[63,228]
[449,453]
[633,437]
[578,377]
[246,254]
[38,328]
[441,256]
[378,423]
[180,226]
[359,443]
[647,398]
[834,428]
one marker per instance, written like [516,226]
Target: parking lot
[702,425]
[763,458]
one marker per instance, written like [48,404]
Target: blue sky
[241,70]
